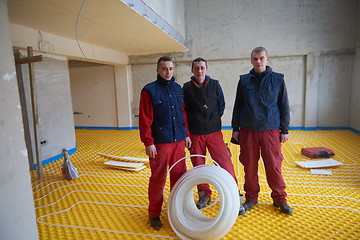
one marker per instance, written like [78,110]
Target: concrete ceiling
[107,23]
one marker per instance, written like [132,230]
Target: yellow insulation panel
[108,203]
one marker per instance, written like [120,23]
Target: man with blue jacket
[163,130]
[260,123]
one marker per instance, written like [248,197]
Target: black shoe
[242,209]
[155,222]
[284,207]
[203,199]
[248,205]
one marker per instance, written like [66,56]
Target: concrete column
[17,217]
[311,89]
[355,96]
[123,94]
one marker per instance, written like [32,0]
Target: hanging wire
[77,34]
[44,45]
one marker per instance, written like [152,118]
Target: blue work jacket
[261,102]
[167,98]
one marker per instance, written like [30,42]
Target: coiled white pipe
[185,218]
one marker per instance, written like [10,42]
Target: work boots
[155,222]
[242,209]
[284,207]
[248,205]
[203,199]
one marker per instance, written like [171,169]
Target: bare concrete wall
[229,29]
[355,96]
[172,11]
[334,91]
[301,37]
[141,74]
[17,218]
[227,72]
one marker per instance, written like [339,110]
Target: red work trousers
[214,142]
[167,155]
[252,143]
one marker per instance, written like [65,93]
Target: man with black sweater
[204,105]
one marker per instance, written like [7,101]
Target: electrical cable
[44,45]
[185,218]
[77,35]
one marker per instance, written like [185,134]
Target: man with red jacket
[163,130]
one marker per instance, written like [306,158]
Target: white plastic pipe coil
[184,217]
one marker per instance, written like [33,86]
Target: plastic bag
[68,170]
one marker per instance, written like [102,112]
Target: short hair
[199,59]
[258,50]
[163,59]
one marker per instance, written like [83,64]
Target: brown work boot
[203,199]
[248,205]
[284,207]
[155,222]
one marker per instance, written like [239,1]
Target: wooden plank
[35,112]
[31,59]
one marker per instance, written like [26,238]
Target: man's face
[259,61]
[199,70]
[165,69]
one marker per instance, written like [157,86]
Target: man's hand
[284,138]
[151,151]
[187,142]
[235,135]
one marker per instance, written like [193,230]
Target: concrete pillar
[17,218]
[311,89]
[123,94]
[355,96]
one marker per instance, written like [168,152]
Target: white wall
[24,36]
[93,96]
[304,39]
[124,95]
[17,218]
[101,95]
[56,124]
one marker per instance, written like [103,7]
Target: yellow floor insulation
[108,203]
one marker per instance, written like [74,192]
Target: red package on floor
[317,152]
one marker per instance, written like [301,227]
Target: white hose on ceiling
[185,218]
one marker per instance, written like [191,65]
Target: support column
[123,95]
[311,89]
